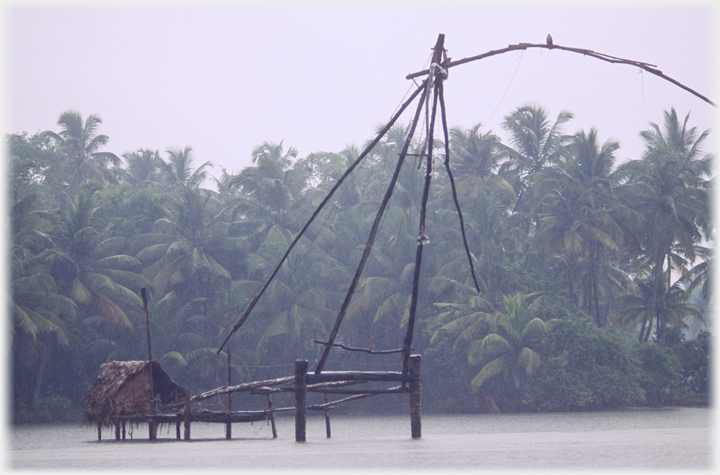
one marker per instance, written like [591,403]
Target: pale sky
[226,77]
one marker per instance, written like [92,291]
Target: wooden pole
[99,431]
[319,208]
[300,388]
[271,408]
[151,424]
[415,366]
[422,238]
[177,430]
[327,417]
[187,418]
[371,236]
[123,429]
[228,426]
[143,293]
[117,429]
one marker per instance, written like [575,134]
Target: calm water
[643,438]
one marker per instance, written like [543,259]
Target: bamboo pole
[434,79]
[143,293]
[301,367]
[327,376]
[271,415]
[152,429]
[373,232]
[651,68]
[327,415]
[415,366]
[330,193]
[317,407]
[242,387]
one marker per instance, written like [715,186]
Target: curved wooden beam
[651,68]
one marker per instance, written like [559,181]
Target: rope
[522,55]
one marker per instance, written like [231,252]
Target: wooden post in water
[99,431]
[177,430]
[152,428]
[187,418]
[300,388]
[271,408]
[327,417]
[414,370]
[117,429]
[123,429]
[143,294]
[228,404]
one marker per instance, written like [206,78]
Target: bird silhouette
[549,40]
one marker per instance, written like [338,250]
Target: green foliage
[660,373]
[586,368]
[48,409]
[545,214]
[694,355]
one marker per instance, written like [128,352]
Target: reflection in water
[656,438]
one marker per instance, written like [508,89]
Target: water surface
[648,438]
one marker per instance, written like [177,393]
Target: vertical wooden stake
[99,431]
[300,388]
[327,417]
[187,418]
[414,367]
[123,429]
[177,430]
[143,294]
[271,408]
[228,404]
[117,429]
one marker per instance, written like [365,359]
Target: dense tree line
[594,276]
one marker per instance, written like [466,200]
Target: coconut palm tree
[82,143]
[36,304]
[190,249]
[536,143]
[87,262]
[669,188]
[578,220]
[179,168]
[505,349]
[271,190]
[144,167]
[669,306]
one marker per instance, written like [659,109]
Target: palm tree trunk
[571,278]
[40,376]
[490,403]
[649,330]
[662,325]
[642,331]
[594,287]
[653,300]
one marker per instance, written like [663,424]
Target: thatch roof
[125,387]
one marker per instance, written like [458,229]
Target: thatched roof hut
[128,387]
